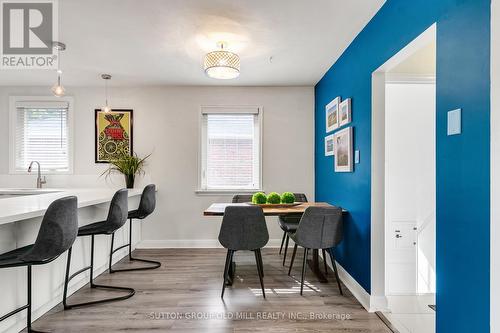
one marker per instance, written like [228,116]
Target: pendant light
[57,89]
[106,78]
[222,64]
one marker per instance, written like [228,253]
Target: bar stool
[56,235]
[146,207]
[117,216]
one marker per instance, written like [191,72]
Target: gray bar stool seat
[146,207]
[56,235]
[243,228]
[117,216]
[319,228]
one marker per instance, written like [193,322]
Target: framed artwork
[329,140]
[113,134]
[345,112]
[343,150]
[332,115]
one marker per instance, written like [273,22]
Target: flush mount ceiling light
[106,78]
[57,89]
[222,64]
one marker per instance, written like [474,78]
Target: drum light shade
[222,64]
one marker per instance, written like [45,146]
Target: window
[41,131]
[230,149]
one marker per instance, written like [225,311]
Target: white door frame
[378,300]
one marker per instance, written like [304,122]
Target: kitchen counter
[21,204]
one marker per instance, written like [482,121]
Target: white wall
[410,187]
[166,124]
[495,168]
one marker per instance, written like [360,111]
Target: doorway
[404,159]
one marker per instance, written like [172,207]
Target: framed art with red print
[113,134]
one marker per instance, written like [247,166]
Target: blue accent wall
[463,161]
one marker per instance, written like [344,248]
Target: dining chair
[242,198]
[319,228]
[243,228]
[56,235]
[289,224]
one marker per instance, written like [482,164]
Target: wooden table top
[217,209]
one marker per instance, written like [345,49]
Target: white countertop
[18,208]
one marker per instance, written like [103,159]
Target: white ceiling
[163,41]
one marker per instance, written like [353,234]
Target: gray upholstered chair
[146,207]
[117,216]
[243,228]
[290,223]
[242,198]
[319,228]
[56,235]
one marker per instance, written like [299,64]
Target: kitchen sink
[19,192]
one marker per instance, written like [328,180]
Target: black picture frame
[96,131]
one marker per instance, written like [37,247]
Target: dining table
[217,209]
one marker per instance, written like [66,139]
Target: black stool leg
[24,307]
[303,270]
[286,248]
[154,264]
[130,291]
[28,315]
[293,258]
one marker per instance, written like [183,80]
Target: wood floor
[184,296]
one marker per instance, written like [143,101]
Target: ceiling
[162,42]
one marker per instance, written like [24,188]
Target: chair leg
[293,258]
[260,270]
[261,262]
[229,258]
[130,291]
[154,264]
[26,307]
[306,250]
[334,264]
[286,248]
[283,241]
[324,261]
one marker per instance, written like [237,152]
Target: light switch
[356,156]
[455,122]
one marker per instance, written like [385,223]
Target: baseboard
[77,283]
[191,243]
[370,303]
[354,287]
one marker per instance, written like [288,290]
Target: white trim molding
[191,243]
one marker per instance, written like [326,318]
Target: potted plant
[129,166]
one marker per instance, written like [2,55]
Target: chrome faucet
[39,179]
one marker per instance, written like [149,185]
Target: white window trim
[218,109]
[13,100]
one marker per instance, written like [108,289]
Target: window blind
[232,157]
[41,134]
